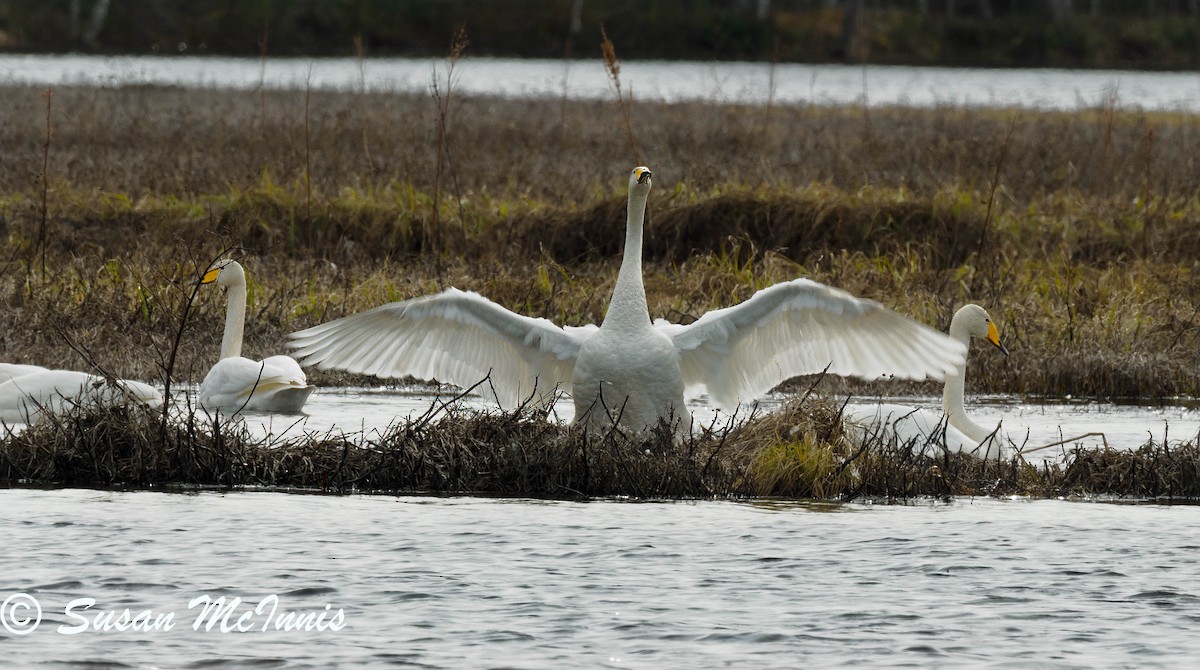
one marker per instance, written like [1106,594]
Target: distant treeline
[1065,33]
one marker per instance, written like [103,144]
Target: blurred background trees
[1074,33]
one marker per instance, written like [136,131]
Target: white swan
[952,427]
[275,384]
[629,368]
[10,370]
[23,399]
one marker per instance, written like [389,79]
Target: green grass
[1089,306]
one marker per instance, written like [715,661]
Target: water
[466,583]
[369,411]
[749,83]
[365,413]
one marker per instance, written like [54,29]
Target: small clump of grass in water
[797,468]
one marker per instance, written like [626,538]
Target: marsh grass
[139,140]
[1078,232]
[798,452]
[1083,317]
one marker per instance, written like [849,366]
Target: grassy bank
[1079,232]
[800,451]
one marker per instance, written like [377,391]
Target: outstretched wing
[801,327]
[454,336]
[11,370]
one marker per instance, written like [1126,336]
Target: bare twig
[613,66]
[360,57]
[457,45]
[49,96]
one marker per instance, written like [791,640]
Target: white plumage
[236,383]
[10,370]
[454,336]
[930,430]
[629,367]
[24,399]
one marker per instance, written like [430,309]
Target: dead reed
[798,452]
[157,140]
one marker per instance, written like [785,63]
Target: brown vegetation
[797,452]
[1079,233]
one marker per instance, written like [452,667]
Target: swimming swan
[925,427]
[629,369]
[23,398]
[275,384]
[10,370]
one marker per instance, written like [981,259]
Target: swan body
[635,386]
[951,427]
[236,383]
[630,370]
[23,399]
[10,370]
[927,431]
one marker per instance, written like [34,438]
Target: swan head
[639,181]
[974,320]
[225,272]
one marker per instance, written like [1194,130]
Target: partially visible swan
[23,399]
[10,370]
[275,384]
[952,427]
[629,370]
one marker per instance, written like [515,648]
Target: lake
[749,83]
[487,583]
[447,582]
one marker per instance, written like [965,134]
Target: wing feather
[454,336]
[801,327]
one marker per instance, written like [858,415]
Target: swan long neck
[235,320]
[628,305]
[952,394]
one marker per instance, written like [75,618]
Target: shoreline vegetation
[800,451]
[1079,232]
[1116,34]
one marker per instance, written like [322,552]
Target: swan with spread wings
[629,370]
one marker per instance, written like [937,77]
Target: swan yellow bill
[993,336]
[211,276]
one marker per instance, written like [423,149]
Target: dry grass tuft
[797,452]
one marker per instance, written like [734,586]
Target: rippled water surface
[751,83]
[461,582]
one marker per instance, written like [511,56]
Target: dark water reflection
[432,582]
